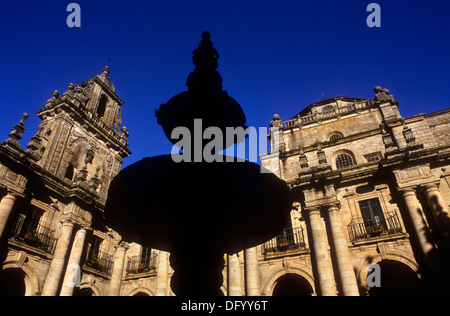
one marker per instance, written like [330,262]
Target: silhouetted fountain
[198,211]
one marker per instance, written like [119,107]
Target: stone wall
[439,123]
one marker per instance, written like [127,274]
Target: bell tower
[80,140]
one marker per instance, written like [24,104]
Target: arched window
[335,137]
[101,109]
[344,161]
[328,108]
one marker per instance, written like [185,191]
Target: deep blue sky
[275,56]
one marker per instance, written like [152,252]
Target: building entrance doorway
[397,279]
[12,282]
[292,285]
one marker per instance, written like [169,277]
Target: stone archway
[137,289]
[397,279]
[12,282]
[292,284]
[27,275]
[83,292]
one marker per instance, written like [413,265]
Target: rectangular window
[373,158]
[31,224]
[372,215]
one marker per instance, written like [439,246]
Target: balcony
[291,241]
[99,262]
[139,265]
[367,230]
[33,234]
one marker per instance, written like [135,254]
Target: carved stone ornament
[83,94]
[70,91]
[51,101]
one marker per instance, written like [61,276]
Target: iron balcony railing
[33,234]
[139,264]
[289,239]
[99,261]
[360,229]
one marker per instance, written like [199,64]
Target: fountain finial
[205,55]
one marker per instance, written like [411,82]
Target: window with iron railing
[289,239]
[144,263]
[31,233]
[97,259]
[373,222]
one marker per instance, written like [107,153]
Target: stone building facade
[370,187]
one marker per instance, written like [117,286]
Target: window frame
[340,165]
[375,216]
[335,137]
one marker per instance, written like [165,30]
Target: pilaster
[162,274]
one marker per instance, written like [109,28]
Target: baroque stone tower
[79,139]
[53,194]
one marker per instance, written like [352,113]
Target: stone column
[6,206]
[252,269]
[439,208]
[59,257]
[347,276]
[73,271]
[234,276]
[419,222]
[117,272]
[321,254]
[161,274]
